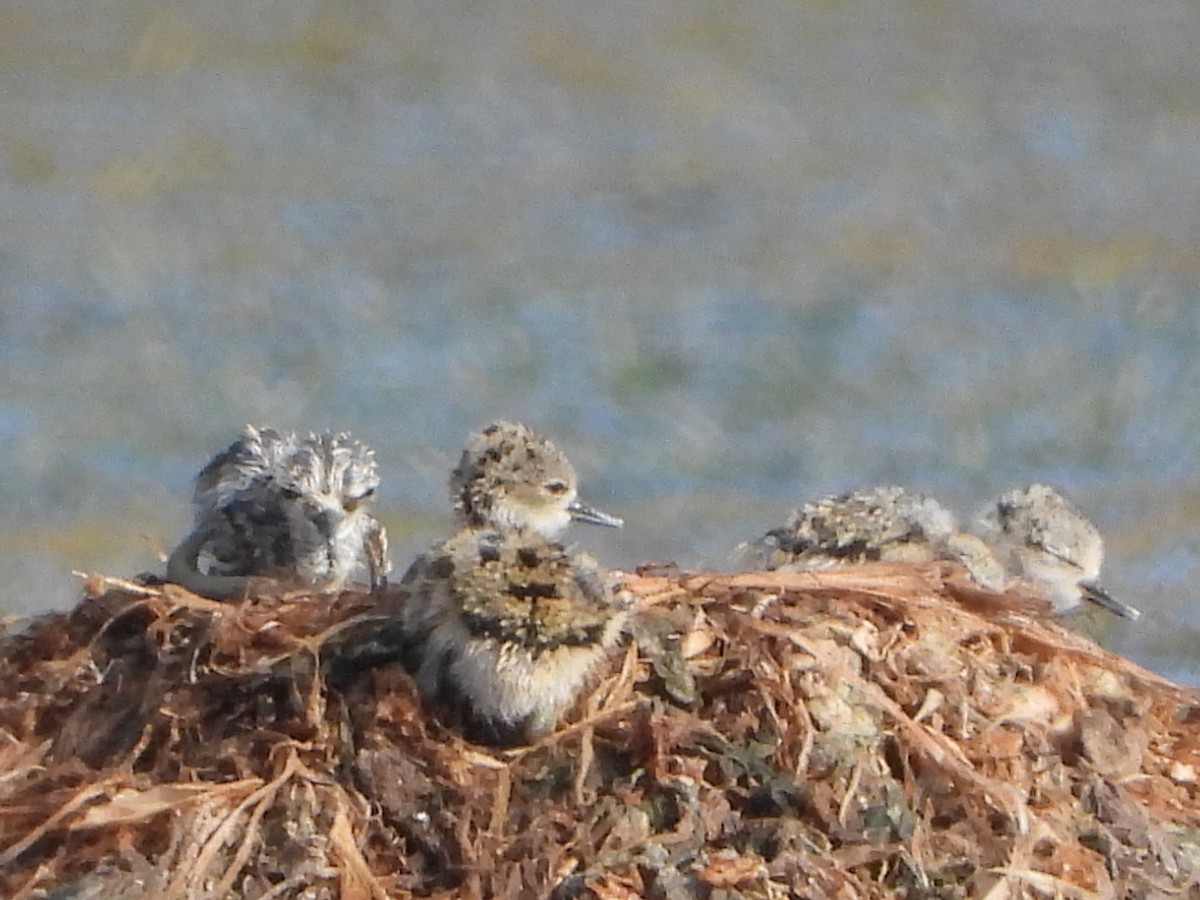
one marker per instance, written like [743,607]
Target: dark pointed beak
[1099,596]
[581,513]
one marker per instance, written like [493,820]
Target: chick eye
[289,493]
[355,502]
[556,487]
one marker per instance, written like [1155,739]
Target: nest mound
[881,731]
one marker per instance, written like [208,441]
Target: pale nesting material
[274,505]
[511,477]
[871,733]
[1049,541]
[510,625]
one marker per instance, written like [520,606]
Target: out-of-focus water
[729,256]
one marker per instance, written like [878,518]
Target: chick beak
[1099,596]
[581,513]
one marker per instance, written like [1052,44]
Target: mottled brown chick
[510,625]
[511,477]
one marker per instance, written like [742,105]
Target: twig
[130,587]
[82,798]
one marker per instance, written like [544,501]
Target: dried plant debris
[885,730]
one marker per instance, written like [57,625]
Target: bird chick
[978,559]
[276,506]
[884,523]
[1049,541]
[511,477]
[509,625]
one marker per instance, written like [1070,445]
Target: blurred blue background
[728,256]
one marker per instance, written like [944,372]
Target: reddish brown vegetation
[875,732]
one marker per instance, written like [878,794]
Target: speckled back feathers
[510,625]
[881,523]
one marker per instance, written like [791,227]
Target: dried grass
[882,731]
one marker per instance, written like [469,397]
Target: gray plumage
[1049,541]
[276,506]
